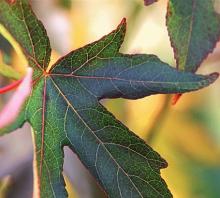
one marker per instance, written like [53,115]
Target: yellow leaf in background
[79,24]
[90,21]
[117,107]
[8,71]
[177,179]
[191,138]
[53,59]
[20,61]
[69,188]
[141,113]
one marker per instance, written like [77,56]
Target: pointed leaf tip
[123,21]
[149,2]
[211,78]
[214,75]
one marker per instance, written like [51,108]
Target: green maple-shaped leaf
[64,108]
[194,29]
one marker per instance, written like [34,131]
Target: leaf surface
[194,29]
[64,110]
[28,31]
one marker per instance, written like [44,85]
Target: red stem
[10,87]
[176,98]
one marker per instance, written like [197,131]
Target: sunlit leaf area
[186,135]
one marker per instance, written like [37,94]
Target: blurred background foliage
[187,135]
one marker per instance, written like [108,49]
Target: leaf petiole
[176,98]
[10,87]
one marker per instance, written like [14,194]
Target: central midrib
[100,142]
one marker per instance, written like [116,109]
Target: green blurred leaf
[65,3]
[9,72]
[194,29]
[64,108]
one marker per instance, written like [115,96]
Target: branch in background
[10,87]
[4,186]
[159,119]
